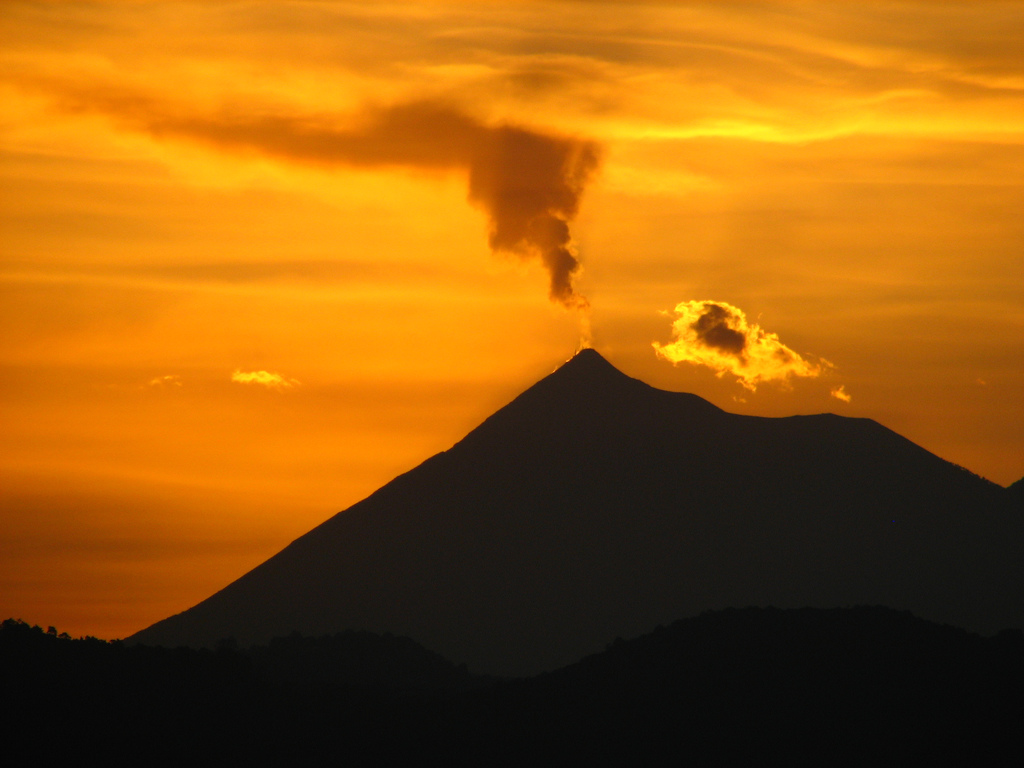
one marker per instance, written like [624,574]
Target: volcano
[594,506]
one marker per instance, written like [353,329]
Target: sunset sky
[260,257]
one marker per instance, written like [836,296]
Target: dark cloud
[712,329]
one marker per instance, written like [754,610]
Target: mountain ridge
[594,506]
[842,686]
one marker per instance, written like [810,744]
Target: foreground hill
[861,686]
[594,506]
[1016,494]
[839,687]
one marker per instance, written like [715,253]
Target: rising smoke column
[528,182]
[530,208]
[718,335]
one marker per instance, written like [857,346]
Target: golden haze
[216,334]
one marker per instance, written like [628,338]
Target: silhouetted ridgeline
[860,686]
[296,697]
[363,660]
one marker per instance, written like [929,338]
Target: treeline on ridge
[797,687]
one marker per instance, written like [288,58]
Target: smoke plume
[717,335]
[529,183]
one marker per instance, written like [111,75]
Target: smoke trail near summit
[529,183]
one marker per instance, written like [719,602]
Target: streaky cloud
[266,378]
[840,393]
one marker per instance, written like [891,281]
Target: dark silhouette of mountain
[837,687]
[594,506]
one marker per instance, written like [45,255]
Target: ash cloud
[529,183]
[718,335]
[712,330]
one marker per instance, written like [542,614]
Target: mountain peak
[588,381]
[585,382]
[588,365]
[587,353]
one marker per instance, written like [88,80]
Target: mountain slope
[839,687]
[594,506]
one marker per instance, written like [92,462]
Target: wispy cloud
[839,393]
[719,336]
[170,380]
[266,378]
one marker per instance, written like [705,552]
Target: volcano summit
[594,506]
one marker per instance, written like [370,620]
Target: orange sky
[196,192]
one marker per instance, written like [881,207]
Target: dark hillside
[1016,495]
[351,696]
[861,686]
